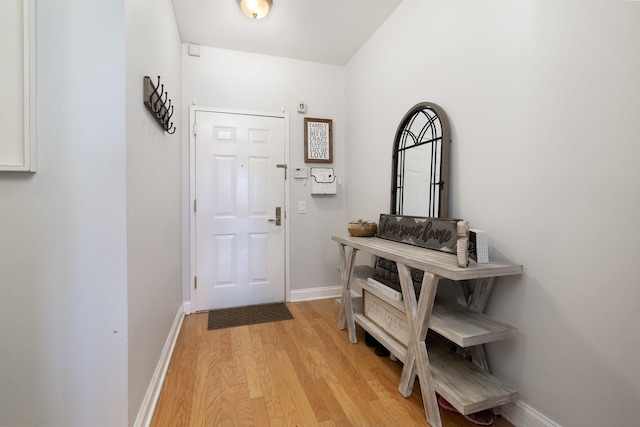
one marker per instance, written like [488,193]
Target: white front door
[418,171]
[239,192]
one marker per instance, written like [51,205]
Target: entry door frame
[192,193]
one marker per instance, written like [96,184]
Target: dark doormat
[249,315]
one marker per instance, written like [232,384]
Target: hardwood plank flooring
[301,372]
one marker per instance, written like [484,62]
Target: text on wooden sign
[431,233]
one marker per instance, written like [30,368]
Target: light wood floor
[301,372]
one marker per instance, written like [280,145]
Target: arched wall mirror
[420,180]
[420,177]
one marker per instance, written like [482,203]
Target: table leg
[346,308]
[481,294]
[462,293]
[479,300]
[417,359]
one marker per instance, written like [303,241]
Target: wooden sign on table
[386,316]
[432,233]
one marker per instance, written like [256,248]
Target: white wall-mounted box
[301,173]
[323,181]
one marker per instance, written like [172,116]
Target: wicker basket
[361,228]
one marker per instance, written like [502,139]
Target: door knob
[277,219]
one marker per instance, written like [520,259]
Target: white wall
[90,247]
[238,80]
[543,99]
[153,192]
[63,248]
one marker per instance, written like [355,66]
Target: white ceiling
[327,31]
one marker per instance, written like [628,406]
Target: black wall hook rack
[161,109]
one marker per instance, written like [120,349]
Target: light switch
[302,207]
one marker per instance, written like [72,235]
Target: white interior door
[419,173]
[240,244]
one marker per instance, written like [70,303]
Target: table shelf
[458,324]
[467,387]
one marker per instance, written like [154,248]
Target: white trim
[316,293]
[287,224]
[30,87]
[28,143]
[192,193]
[148,406]
[520,414]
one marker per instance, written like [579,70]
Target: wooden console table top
[439,263]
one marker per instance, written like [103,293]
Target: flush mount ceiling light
[255,9]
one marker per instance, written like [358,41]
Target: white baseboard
[145,413]
[520,414]
[315,293]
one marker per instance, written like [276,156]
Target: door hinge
[195,205]
[195,282]
[195,128]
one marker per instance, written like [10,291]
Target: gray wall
[153,192]
[90,245]
[63,246]
[543,99]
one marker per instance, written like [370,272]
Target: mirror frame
[405,124]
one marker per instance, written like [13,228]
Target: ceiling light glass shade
[255,9]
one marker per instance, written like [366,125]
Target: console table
[466,384]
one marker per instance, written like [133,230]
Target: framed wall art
[318,140]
